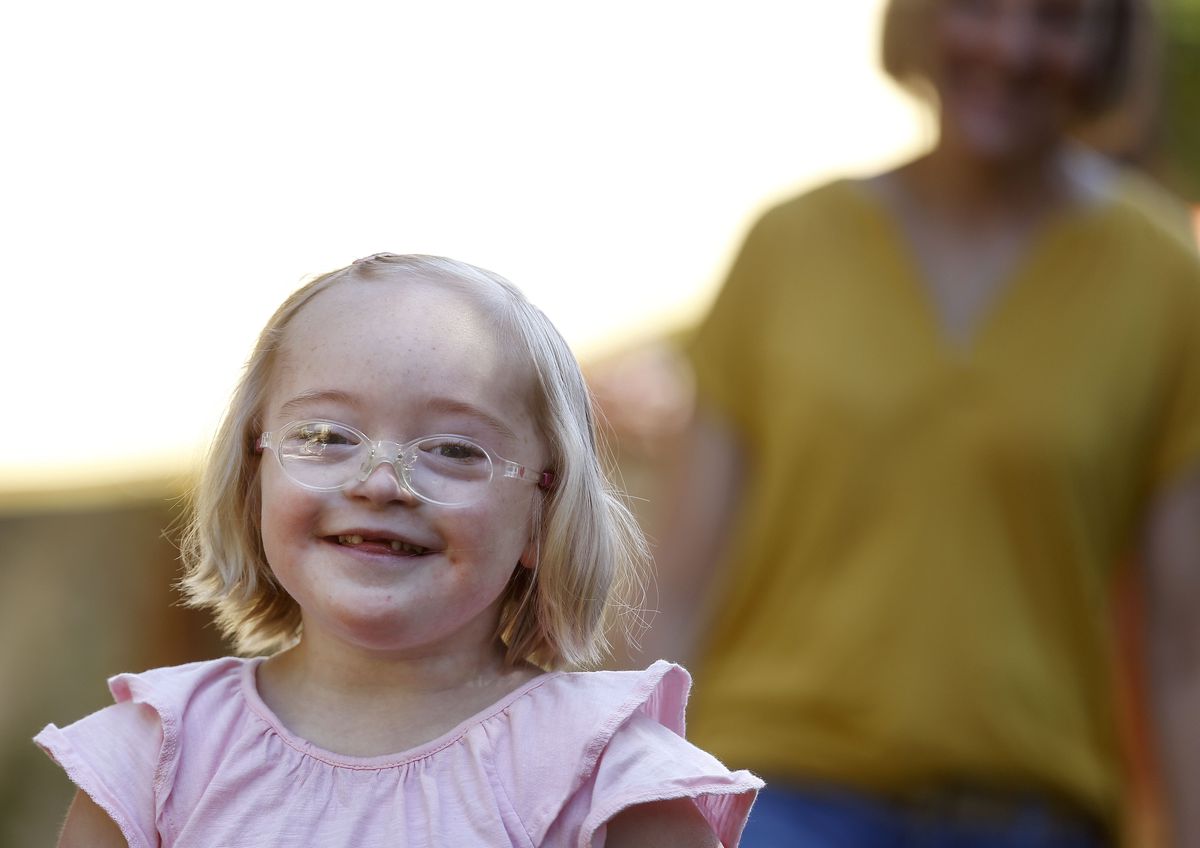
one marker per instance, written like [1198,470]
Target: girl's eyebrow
[437,404]
[315,396]
[456,407]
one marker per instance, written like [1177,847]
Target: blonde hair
[591,553]
[905,50]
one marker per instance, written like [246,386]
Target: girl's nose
[381,485]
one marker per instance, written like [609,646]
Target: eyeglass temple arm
[544,480]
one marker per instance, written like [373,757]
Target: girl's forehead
[414,316]
[407,341]
[397,296]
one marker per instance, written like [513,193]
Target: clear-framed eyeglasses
[443,469]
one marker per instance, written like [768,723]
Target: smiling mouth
[397,546]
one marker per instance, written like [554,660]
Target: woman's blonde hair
[591,553]
[905,50]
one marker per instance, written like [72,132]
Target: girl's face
[398,360]
[1010,73]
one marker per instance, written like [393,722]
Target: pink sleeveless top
[191,756]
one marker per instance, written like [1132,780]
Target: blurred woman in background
[937,407]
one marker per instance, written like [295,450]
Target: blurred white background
[172,171]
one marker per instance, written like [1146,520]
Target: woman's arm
[661,824]
[703,491]
[88,826]
[1173,592]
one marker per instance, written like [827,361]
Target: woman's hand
[1173,593]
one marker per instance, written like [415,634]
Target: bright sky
[172,171]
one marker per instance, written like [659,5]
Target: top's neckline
[1057,233]
[249,689]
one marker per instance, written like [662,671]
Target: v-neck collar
[1048,241]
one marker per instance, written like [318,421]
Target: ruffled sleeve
[114,756]
[645,762]
[586,746]
[125,756]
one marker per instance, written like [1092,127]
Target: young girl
[405,512]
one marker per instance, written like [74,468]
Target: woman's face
[1011,74]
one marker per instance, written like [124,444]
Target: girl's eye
[325,435]
[314,438]
[313,433]
[454,450]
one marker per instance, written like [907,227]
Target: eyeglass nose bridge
[394,454]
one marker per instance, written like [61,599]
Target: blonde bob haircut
[591,554]
[906,50]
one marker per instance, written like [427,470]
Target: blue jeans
[791,817]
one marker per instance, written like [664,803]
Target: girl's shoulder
[160,698]
[173,687]
[594,703]
[584,746]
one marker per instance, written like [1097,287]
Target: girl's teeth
[396,545]
[405,548]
